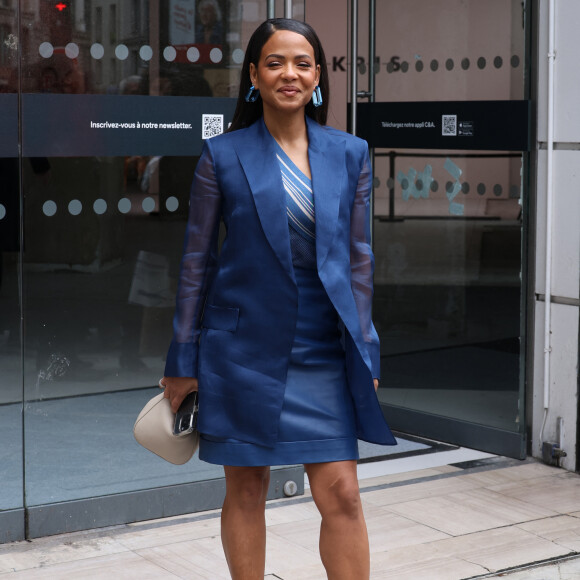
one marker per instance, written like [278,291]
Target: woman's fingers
[177,388]
[176,401]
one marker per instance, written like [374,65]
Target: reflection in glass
[458,55]
[103,239]
[447,283]
[192,48]
[10,367]
[99,280]
[448,224]
[112,23]
[11,452]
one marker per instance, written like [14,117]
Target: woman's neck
[287,129]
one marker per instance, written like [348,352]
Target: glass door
[449,215]
[109,104]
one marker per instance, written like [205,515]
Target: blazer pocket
[220,318]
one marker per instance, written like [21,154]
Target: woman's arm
[362,263]
[197,268]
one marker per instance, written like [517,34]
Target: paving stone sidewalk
[490,519]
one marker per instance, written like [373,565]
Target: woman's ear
[317,74]
[254,75]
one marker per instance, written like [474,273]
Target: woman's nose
[289,72]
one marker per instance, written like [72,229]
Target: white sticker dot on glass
[215,55]
[146,52]
[171,203]
[75,207]
[49,208]
[97,51]
[169,53]
[100,206]
[192,54]
[148,204]
[72,50]
[124,205]
[121,52]
[46,50]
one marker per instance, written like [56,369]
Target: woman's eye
[304,65]
[273,63]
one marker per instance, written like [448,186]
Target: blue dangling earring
[252,95]
[317,97]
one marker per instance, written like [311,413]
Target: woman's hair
[248,113]
[214,5]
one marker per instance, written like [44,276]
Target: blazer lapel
[327,164]
[257,154]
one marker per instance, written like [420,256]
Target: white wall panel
[542,73]
[563,380]
[540,226]
[567,77]
[566,232]
[566,74]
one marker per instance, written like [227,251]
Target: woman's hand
[376,383]
[177,388]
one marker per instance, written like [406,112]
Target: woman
[208,29]
[277,328]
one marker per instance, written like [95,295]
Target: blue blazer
[236,311]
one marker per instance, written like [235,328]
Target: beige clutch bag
[154,430]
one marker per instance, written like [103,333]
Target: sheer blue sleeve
[362,263]
[197,268]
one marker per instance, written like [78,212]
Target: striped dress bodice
[300,211]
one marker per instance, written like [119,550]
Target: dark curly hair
[248,113]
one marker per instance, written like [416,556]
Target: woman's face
[286,73]
[207,15]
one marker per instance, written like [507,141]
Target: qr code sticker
[449,125]
[211,125]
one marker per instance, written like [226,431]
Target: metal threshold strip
[549,562]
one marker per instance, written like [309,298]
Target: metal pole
[287,8]
[154,65]
[271,9]
[371,69]
[372,48]
[392,156]
[549,219]
[353,62]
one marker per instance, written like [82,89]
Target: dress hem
[284,453]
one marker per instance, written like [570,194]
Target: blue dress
[317,422]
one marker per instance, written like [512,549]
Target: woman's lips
[289,91]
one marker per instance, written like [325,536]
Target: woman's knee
[338,496]
[247,487]
[346,498]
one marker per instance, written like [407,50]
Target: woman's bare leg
[244,521]
[344,544]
